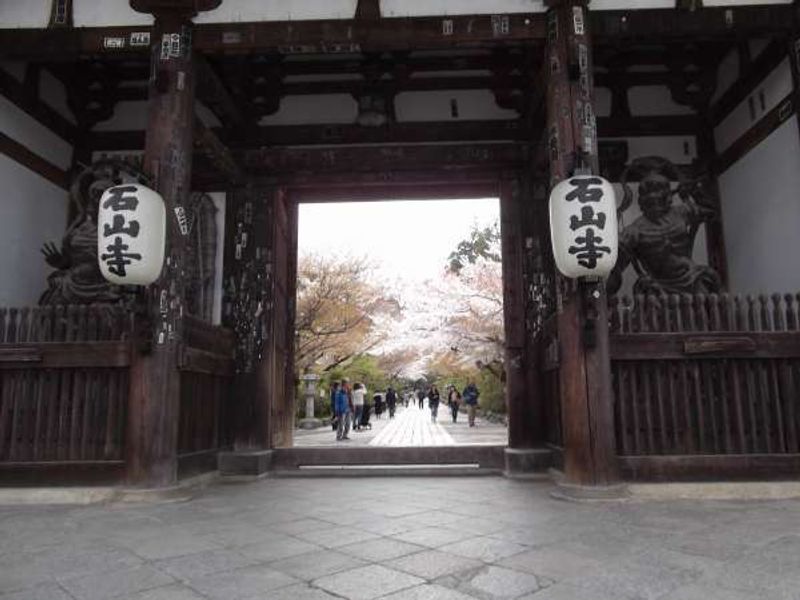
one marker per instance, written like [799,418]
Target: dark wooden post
[155,380]
[523,395]
[715,236]
[585,367]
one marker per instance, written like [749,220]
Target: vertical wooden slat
[791,313]
[639,307]
[635,403]
[40,416]
[627,311]
[703,440]
[51,402]
[619,375]
[763,303]
[16,392]
[11,330]
[87,429]
[775,405]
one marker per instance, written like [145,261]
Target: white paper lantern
[583,226]
[131,234]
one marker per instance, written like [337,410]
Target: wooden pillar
[585,367]
[248,300]
[522,398]
[155,380]
[715,236]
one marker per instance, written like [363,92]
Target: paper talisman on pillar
[583,226]
[131,234]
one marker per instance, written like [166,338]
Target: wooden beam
[397,186]
[450,31]
[756,134]
[648,126]
[418,132]
[207,142]
[747,467]
[29,159]
[388,157]
[212,92]
[15,92]
[753,74]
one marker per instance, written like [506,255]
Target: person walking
[420,397]
[343,412]
[454,400]
[334,391]
[359,393]
[433,402]
[470,396]
[391,401]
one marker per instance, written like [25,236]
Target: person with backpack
[470,397]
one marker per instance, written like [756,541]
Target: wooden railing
[63,385]
[206,364]
[706,375]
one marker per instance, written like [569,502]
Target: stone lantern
[309,392]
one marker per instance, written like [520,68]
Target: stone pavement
[401,539]
[412,427]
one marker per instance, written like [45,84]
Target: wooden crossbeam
[756,134]
[29,159]
[451,31]
[212,92]
[754,73]
[411,132]
[206,142]
[15,92]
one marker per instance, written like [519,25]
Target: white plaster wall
[761,215]
[678,149]
[775,87]
[24,13]
[654,100]
[36,137]
[32,212]
[324,108]
[435,106]
[279,10]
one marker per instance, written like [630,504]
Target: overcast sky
[408,240]
[408,243]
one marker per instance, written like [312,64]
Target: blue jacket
[470,395]
[342,404]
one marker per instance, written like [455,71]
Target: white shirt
[358,396]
